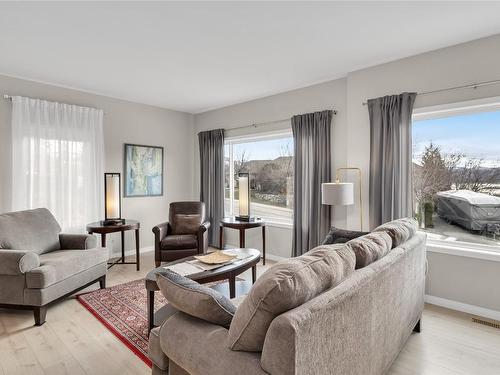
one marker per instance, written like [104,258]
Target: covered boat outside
[471,210]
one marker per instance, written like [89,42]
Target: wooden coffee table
[228,272]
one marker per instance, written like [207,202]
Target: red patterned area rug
[122,309]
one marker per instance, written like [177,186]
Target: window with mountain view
[269,161]
[456,175]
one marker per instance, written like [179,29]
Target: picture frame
[143,170]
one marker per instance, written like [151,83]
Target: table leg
[254,274]
[264,245]
[242,238]
[123,246]
[221,237]
[137,247]
[232,286]
[151,309]
[103,240]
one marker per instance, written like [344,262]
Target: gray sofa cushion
[400,230]
[194,299]
[36,230]
[61,264]
[370,247]
[284,286]
[336,235]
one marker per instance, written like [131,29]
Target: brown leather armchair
[184,235]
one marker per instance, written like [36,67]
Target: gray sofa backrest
[36,230]
[359,326]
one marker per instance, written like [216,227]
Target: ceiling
[197,56]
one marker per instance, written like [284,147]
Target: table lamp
[112,199]
[244,197]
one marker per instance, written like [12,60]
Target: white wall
[330,95]
[124,122]
[463,64]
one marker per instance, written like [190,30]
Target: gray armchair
[184,235]
[39,265]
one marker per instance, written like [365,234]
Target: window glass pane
[227,186]
[270,165]
[456,177]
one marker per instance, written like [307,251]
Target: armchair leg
[157,263]
[40,312]
[102,282]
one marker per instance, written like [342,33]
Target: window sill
[464,249]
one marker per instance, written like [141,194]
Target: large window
[269,161]
[456,174]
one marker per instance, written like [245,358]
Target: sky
[477,135]
[264,150]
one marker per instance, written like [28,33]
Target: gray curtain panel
[212,178]
[312,161]
[390,158]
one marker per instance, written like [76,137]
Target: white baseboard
[275,258]
[463,307]
[145,249]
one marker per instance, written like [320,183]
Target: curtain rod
[257,124]
[9,97]
[471,86]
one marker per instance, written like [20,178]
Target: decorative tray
[217,257]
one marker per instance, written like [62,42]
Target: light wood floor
[73,342]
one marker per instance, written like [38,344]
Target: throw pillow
[336,235]
[370,247]
[400,230]
[284,286]
[194,299]
[186,224]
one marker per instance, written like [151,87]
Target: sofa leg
[40,312]
[418,326]
[102,282]
[157,263]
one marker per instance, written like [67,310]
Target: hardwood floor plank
[73,341]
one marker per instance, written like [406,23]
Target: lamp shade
[112,201]
[337,193]
[244,194]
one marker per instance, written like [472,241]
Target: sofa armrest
[161,230]
[77,241]
[18,262]
[200,347]
[202,237]
[204,227]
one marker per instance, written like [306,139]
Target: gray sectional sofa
[39,265]
[357,327]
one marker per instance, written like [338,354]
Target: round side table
[242,226]
[103,230]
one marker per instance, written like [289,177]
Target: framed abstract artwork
[143,171]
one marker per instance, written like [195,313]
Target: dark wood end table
[242,226]
[103,230]
[227,272]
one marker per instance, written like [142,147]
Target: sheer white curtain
[57,160]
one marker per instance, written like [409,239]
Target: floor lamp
[342,193]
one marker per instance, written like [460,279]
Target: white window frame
[460,248]
[255,137]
